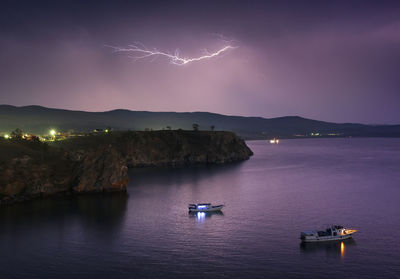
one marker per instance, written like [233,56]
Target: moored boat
[332,233]
[204,207]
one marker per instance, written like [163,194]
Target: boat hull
[211,209]
[326,238]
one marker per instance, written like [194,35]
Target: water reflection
[342,249]
[105,212]
[201,216]
[333,248]
[102,211]
[194,175]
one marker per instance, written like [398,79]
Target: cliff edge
[99,163]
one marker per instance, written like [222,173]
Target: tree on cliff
[195,126]
[16,134]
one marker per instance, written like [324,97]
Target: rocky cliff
[180,148]
[99,163]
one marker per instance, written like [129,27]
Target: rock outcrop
[100,163]
[102,169]
[182,148]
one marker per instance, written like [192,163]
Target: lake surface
[283,189]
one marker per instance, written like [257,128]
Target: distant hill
[38,120]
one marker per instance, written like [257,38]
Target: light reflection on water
[201,216]
[329,248]
[342,249]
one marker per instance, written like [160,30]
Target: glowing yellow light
[106,130]
[6,136]
[53,132]
[274,141]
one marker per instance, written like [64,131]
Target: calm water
[283,189]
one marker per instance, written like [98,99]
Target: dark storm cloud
[335,60]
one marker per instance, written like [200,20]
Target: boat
[204,207]
[274,141]
[332,233]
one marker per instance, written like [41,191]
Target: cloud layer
[330,61]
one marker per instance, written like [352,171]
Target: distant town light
[53,132]
[6,136]
[274,141]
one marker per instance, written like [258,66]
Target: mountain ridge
[39,119]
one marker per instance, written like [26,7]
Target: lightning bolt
[139,51]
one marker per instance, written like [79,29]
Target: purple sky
[327,60]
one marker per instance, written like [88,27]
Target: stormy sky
[327,60]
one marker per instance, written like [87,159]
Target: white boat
[332,233]
[204,207]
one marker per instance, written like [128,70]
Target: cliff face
[26,177]
[100,163]
[180,148]
[101,169]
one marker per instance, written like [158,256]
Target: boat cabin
[200,206]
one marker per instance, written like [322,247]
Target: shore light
[6,136]
[53,132]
